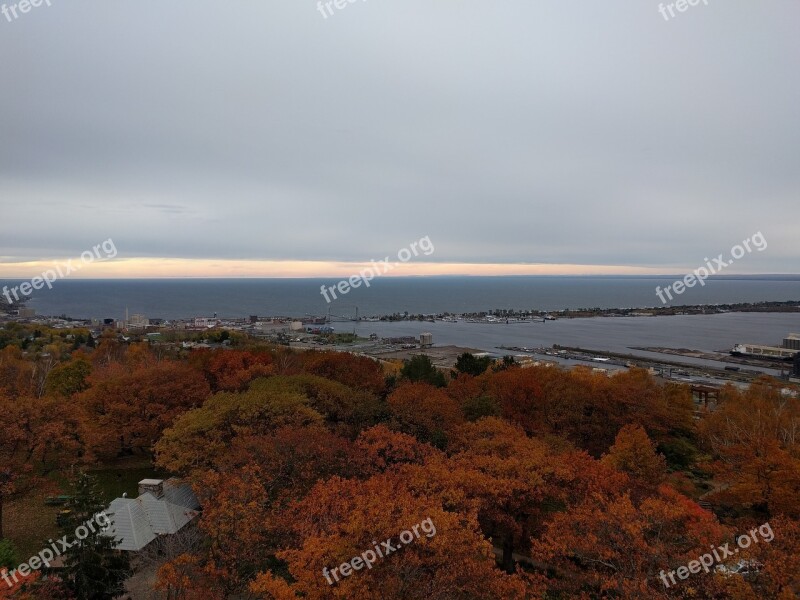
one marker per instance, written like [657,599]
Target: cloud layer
[517,132]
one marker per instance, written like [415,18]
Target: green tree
[93,569]
[8,555]
[69,378]
[421,369]
[472,365]
[508,362]
[477,407]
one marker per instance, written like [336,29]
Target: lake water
[184,298]
[696,332]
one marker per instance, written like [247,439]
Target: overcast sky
[587,133]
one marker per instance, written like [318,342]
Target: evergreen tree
[8,555]
[421,369]
[93,569]
[472,365]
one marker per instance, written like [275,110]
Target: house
[162,508]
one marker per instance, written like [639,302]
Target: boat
[758,351]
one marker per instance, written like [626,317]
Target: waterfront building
[792,341]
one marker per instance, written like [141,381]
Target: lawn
[29,523]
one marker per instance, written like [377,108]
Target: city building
[426,340]
[138,321]
[272,326]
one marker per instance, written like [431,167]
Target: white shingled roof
[138,521]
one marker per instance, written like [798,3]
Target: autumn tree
[290,459]
[379,448]
[189,577]
[70,377]
[17,375]
[357,372]
[587,408]
[125,410]
[246,489]
[424,411]
[233,370]
[201,437]
[609,545]
[511,481]
[635,454]
[16,473]
[109,350]
[39,435]
[342,519]
[251,454]
[346,410]
[30,588]
[301,470]
[239,524]
[754,435]
[779,557]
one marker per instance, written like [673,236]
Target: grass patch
[29,523]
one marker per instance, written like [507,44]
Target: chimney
[153,486]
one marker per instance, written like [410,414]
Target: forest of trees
[541,482]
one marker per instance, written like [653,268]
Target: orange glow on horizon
[155,268]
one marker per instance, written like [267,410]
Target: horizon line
[182,268]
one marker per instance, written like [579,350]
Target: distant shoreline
[789,306]
[501,316]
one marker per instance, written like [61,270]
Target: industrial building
[792,341]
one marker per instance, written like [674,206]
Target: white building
[138,321]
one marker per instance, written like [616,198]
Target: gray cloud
[511,131]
